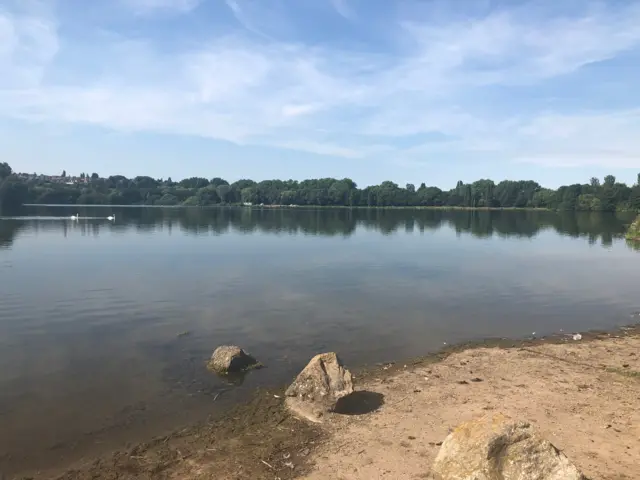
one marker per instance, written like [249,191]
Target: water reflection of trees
[344,222]
[8,232]
[593,227]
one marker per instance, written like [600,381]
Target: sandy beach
[582,396]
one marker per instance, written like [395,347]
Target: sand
[582,396]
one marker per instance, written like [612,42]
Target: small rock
[496,448]
[231,359]
[463,382]
[318,387]
[477,380]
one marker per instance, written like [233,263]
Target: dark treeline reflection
[595,227]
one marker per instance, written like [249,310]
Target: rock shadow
[359,403]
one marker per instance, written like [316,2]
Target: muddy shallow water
[105,326]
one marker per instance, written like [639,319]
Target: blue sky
[406,90]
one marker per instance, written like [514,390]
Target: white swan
[111,217]
[74,217]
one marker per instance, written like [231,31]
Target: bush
[634,230]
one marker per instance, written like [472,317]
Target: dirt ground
[252,441]
[583,396]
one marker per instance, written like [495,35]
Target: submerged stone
[229,359]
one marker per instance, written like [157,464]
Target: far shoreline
[334,207]
[317,207]
[301,207]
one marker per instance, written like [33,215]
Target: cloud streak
[146,7]
[462,79]
[343,9]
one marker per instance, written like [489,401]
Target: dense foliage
[17,189]
[634,231]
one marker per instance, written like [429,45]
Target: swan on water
[111,217]
[74,217]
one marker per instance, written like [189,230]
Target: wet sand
[582,395]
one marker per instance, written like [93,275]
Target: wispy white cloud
[342,7]
[297,110]
[239,14]
[608,139]
[144,7]
[252,15]
[459,78]
[320,148]
[28,45]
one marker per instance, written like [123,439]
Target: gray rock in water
[231,359]
[497,448]
[318,387]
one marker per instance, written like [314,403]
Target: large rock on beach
[231,359]
[495,447]
[318,387]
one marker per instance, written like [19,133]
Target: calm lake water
[105,326]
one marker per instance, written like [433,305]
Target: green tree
[168,199]
[13,192]
[339,191]
[192,201]
[633,234]
[194,182]
[145,182]
[371,198]
[5,170]
[634,198]
[223,192]
[218,181]
[145,190]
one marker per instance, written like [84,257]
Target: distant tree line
[608,196]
